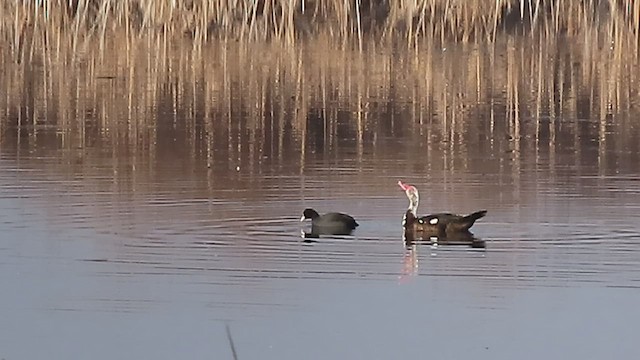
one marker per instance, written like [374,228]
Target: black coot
[332,223]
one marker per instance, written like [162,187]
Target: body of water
[170,228]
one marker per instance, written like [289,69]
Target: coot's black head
[309,214]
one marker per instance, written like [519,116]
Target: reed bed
[136,83]
[232,102]
[49,22]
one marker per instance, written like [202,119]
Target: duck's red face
[406,187]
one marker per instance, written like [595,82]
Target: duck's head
[412,195]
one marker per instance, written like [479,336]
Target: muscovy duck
[434,224]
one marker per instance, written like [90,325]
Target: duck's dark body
[332,223]
[440,224]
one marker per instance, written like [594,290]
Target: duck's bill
[302,218]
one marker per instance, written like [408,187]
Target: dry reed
[23,23]
[224,88]
[214,91]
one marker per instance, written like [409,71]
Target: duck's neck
[413,205]
[408,219]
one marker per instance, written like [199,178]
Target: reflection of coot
[330,223]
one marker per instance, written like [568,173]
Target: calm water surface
[109,252]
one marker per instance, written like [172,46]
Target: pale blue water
[155,264]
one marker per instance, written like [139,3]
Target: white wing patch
[433,221]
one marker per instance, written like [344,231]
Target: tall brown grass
[23,23]
[95,82]
[224,88]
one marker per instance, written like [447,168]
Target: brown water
[143,231]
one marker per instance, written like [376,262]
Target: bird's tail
[471,218]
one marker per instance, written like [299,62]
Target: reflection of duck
[409,263]
[466,238]
[439,225]
[411,242]
[330,223]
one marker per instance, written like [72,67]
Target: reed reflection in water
[148,202]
